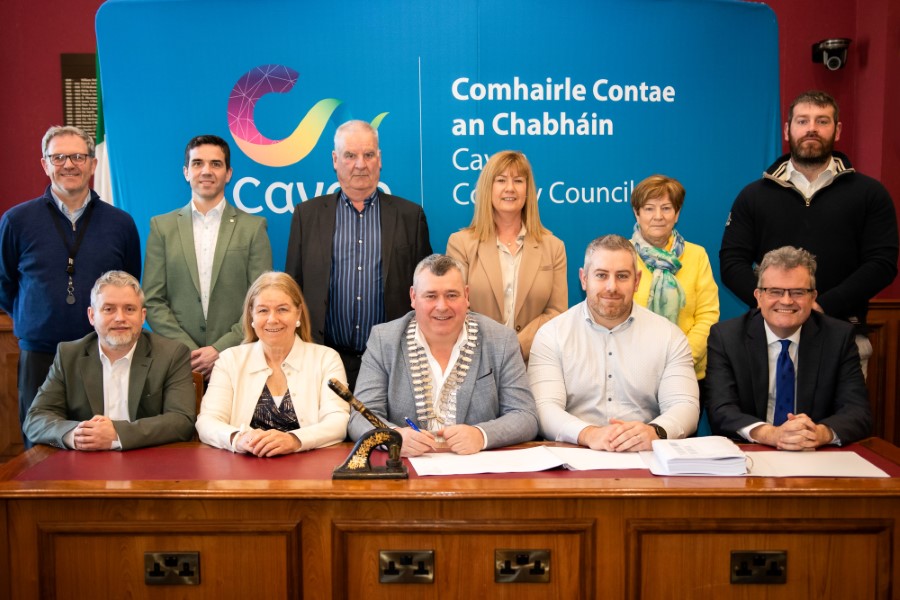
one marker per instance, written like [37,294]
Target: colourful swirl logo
[278,79]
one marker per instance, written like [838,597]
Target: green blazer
[172,281]
[161,401]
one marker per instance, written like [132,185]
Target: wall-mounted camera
[831,52]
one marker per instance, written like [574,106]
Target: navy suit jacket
[404,242]
[830,386]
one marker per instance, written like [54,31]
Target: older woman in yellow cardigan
[676,277]
[515,269]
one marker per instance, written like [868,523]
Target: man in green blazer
[202,258]
[119,387]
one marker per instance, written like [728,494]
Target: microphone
[344,392]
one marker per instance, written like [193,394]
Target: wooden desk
[78,525]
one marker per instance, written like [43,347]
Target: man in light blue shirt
[608,373]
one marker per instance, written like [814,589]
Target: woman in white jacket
[270,395]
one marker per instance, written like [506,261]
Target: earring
[298,323]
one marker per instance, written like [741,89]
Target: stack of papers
[537,458]
[713,455]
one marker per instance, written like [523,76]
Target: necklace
[420,373]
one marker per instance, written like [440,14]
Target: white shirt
[509,271]
[206,234]
[583,374]
[806,187]
[116,377]
[439,376]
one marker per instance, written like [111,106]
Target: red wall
[34,34]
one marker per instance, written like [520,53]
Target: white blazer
[238,379]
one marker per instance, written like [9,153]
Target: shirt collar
[73,216]
[586,314]
[771,338]
[830,170]
[460,339]
[105,359]
[215,211]
[294,359]
[366,203]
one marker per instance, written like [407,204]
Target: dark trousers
[352,361]
[33,369]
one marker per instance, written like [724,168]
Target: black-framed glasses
[776,293]
[58,160]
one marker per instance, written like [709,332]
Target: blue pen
[411,424]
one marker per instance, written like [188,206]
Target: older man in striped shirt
[353,252]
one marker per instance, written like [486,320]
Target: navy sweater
[33,259]
[850,225]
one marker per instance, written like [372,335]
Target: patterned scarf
[666,294]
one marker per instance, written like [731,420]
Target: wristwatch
[660,432]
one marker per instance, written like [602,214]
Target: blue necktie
[784,385]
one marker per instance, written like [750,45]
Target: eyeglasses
[58,160]
[778,293]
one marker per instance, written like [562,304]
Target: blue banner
[598,94]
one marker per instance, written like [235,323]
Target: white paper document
[712,455]
[542,458]
[528,460]
[811,464]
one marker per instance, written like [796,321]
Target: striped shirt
[356,289]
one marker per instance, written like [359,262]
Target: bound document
[713,455]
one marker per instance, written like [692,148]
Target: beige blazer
[541,293]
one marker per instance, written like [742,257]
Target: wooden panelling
[10,433]
[884,369]
[845,558]
[464,557]
[111,557]
[614,535]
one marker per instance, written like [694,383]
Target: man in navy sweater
[52,250]
[815,200]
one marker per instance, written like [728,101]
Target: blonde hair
[483,219]
[283,283]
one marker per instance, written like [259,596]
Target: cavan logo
[278,79]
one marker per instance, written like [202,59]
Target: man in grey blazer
[785,374]
[202,258]
[445,377]
[119,387]
[353,252]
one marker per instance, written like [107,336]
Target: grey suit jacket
[172,281]
[830,385]
[161,401]
[494,395]
[404,242]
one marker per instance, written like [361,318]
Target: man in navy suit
[783,374]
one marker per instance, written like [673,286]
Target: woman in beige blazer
[515,268]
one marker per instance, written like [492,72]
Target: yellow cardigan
[701,308]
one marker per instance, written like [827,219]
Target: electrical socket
[758,566]
[172,568]
[521,566]
[406,566]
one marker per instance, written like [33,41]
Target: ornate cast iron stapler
[358,465]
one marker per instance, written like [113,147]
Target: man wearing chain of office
[444,377]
